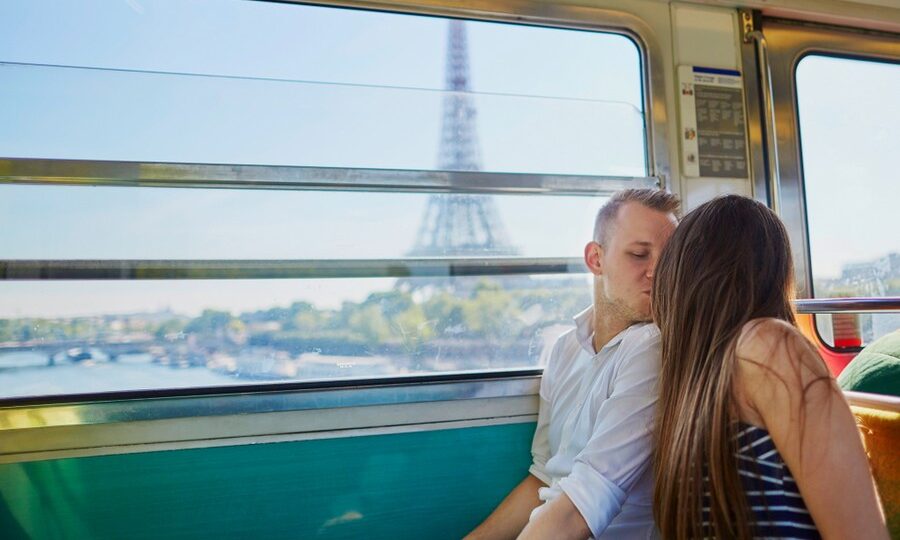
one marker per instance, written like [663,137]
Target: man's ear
[593,257]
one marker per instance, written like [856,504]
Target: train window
[418,188]
[849,117]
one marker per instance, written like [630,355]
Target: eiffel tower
[460,225]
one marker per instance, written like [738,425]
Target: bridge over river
[79,349]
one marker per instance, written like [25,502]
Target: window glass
[65,337]
[849,125]
[73,222]
[226,81]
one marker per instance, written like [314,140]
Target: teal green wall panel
[429,484]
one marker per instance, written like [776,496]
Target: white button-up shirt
[593,436]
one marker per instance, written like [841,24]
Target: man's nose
[651,267]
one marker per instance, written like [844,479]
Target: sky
[235,82]
[849,115]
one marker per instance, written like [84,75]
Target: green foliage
[487,311]
[7,330]
[168,328]
[893,287]
[391,303]
[49,329]
[276,314]
[370,323]
[492,313]
[307,320]
[444,313]
[209,322]
[411,325]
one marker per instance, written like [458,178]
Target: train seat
[876,369]
[878,417]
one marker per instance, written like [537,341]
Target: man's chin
[642,313]
[629,312]
[639,316]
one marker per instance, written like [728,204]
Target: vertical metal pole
[756,36]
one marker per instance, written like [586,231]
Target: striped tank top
[777,509]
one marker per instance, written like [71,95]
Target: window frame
[788,42]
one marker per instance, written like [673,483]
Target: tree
[412,327]
[7,330]
[306,319]
[168,328]
[390,302]
[369,322]
[444,312]
[492,313]
[209,322]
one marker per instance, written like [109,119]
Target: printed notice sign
[713,129]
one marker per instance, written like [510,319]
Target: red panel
[836,361]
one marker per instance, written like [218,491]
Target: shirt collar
[584,331]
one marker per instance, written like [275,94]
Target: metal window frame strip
[201,175]
[287,269]
[104,407]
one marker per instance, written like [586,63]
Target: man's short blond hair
[654,199]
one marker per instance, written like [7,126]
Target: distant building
[875,278]
[872,278]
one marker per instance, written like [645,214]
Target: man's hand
[508,519]
[559,520]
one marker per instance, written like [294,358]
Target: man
[591,474]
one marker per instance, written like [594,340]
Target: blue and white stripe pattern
[778,510]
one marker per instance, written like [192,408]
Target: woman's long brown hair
[727,263]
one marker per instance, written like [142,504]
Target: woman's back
[777,508]
[796,421]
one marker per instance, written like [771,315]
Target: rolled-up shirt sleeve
[540,444]
[619,449]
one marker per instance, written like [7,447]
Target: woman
[754,439]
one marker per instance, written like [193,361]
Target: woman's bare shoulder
[759,336]
[770,346]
